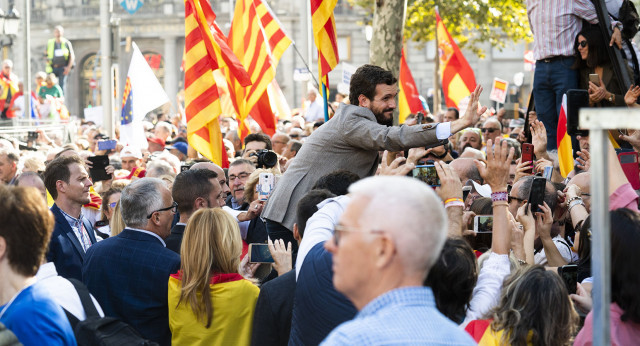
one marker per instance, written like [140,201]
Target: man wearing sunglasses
[128,273]
[491,129]
[382,252]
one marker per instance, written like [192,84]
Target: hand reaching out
[396,167]
[450,185]
[281,255]
[539,138]
[496,172]
[632,95]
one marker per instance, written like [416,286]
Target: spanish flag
[484,335]
[458,80]
[408,101]
[324,34]
[565,151]
[206,50]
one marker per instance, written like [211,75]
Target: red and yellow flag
[206,50]
[324,34]
[408,97]
[458,80]
[258,41]
[565,150]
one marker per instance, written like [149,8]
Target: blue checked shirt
[404,316]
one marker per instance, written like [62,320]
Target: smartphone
[98,171]
[465,192]
[576,99]
[259,253]
[32,136]
[548,172]
[536,195]
[266,183]
[629,163]
[184,168]
[594,78]
[569,274]
[527,155]
[109,144]
[427,173]
[483,223]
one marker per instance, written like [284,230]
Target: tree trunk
[386,43]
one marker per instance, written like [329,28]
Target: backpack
[101,331]
[629,18]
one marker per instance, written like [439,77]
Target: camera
[266,158]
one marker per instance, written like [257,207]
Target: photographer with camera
[258,150]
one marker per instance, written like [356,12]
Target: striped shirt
[556,23]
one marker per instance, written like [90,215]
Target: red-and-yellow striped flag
[206,50]
[458,80]
[565,150]
[258,41]
[408,97]
[324,34]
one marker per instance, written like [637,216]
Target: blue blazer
[65,250]
[129,274]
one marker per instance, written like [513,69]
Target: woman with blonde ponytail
[209,302]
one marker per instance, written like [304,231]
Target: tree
[469,22]
[386,42]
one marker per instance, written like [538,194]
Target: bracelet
[453,199]
[521,262]
[580,202]
[500,203]
[499,196]
[574,199]
[456,203]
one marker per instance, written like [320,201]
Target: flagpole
[305,64]
[436,73]
[326,102]
[105,63]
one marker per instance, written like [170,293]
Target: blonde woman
[116,223]
[209,302]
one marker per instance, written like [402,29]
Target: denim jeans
[551,80]
[62,78]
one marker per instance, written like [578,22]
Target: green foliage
[470,22]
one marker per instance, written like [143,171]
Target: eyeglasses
[113,204]
[511,198]
[489,130]
[243,175]
[294,136]
[582,44]
[173,208]
[341,228]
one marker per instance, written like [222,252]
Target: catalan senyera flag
[565,150]
[458,80]
[324,35]
[257,39]
[206,50]
[408,97]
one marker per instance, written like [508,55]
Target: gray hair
[11,154]
[158,168]
[139,199]
[411,212]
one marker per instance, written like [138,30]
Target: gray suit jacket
[351,140]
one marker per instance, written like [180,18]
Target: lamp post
[9,26]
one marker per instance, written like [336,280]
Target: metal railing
[598,121]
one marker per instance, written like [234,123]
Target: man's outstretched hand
[472,115]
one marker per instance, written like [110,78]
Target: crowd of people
[160,246]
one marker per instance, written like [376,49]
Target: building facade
[157,27]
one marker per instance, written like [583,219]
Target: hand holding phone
[569,274]
[483,223]
[98,170]
[266,183]
[259,253]
[527,156]
[536,195]
[427,173]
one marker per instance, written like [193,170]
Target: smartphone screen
[259,253]
[107,144]
[465,192]
[548,171]
[428,174]
[536,195]
[527,154]
[483,223]
[569,274]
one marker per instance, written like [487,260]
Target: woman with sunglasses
[109,200]
[592,59]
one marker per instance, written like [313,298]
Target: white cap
[130,151]
[483,190]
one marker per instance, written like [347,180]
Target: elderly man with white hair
[384,245]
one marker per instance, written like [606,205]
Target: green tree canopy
[469,22]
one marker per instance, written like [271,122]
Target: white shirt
[62,291]
[487,291]
[244,225]
[320,226]
[315,110]
[563,248]
[148,232]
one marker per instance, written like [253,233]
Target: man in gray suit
[352,140]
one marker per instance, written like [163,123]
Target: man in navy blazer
[128,274]
[67,181]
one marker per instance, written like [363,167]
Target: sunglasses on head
[582,44]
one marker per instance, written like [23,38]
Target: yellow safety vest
[50,51]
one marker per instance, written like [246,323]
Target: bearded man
[351,140]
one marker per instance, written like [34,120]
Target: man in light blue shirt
[384,245]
